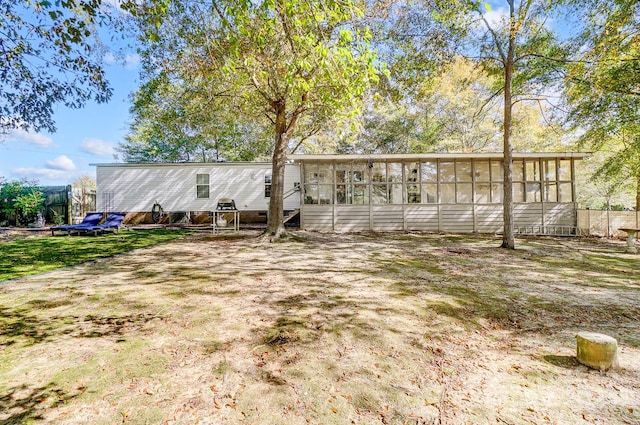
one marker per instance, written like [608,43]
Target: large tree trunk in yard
[275,226]
[638,193]
[508,239]
[283,132]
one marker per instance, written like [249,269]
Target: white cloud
[37,139]
[97,147]
[38,173]
[131,61]
[110,58]
[63,163]
[497,17]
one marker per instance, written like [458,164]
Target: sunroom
[436,192]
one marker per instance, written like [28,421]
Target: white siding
[560,214]
[456,218]
[527,214]
[423,218]
[452,218]
[387,218]
[135,188]
[489,218]
[317,218]
[352,218]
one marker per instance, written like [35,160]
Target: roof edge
[483,155]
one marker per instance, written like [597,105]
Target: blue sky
[84,136]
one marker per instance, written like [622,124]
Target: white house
[426,192]
[190,186]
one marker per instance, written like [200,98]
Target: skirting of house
[540,218]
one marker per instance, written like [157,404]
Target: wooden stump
[597,351]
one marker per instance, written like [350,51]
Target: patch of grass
[287,329]
[26,257]
[212,346]
[223,367]
[110,368]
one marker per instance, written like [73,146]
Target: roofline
[356,157]
[431,156]
[180,164]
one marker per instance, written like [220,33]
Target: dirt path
[325,329]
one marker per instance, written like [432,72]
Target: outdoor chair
[112,223]
[90,220]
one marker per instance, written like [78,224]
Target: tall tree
[48,55]
[280,60]
[175,122]
[519,49]
[603,84]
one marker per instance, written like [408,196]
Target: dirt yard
[325,329]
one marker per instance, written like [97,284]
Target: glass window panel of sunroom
[518,192]
[325,173]
[550,170]
[359,173]
[497,173]
[341,194]
[429,193]
[517,171]
[311,173]
[447,193]
[481,171]
[379,194]
[565,192]
[463,171]
[412,172]
[413,194]
[429,171]
[464,193]
[497,191]
[533,192]
[394,172]
[483,193]
[360,194]
[532,170]
[395,194]
[564,169]
[447,171]
[310,193]
[342,173]
[379,172]
[550,191]
[325,192]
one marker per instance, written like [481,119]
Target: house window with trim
[267,185]
[202,186]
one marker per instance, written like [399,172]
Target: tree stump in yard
[597,351]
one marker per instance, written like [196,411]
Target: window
[202,186]
[412,175]
[318,187]
[267,185]
[429,176]
[351,185]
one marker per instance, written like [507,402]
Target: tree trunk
[275,226]
[508,239]
[638,193]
